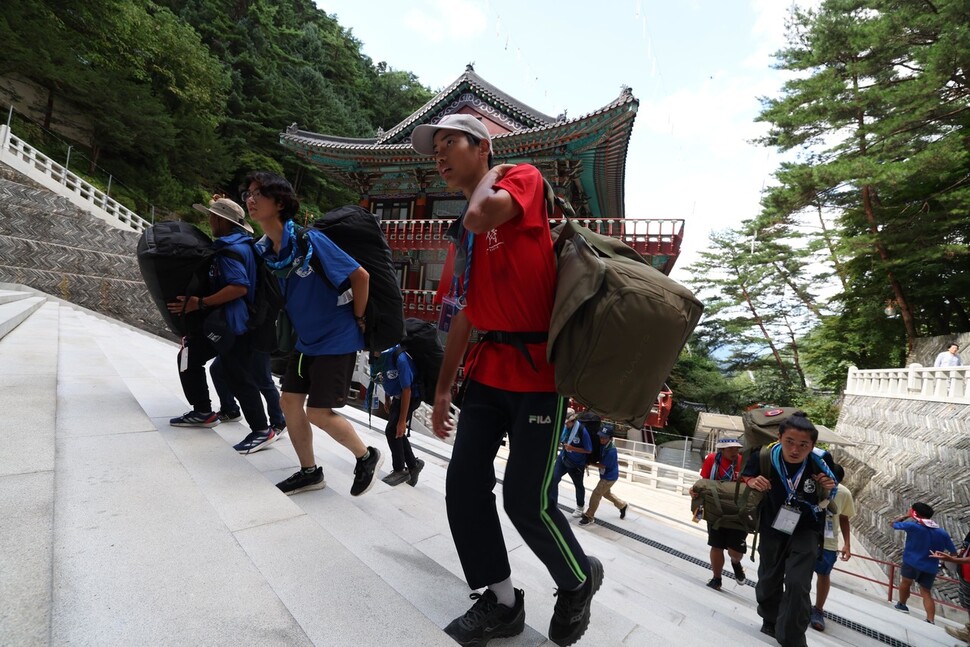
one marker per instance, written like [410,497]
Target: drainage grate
[845,622]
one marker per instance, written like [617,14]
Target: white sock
[504,592]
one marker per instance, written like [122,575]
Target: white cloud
[446,20]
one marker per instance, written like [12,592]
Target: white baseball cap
[422,139]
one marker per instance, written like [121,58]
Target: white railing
[22,157]
[916,382]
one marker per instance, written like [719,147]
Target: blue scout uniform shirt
[920,540]
[581,440]
[399,375]
[610,470]
[228,271]
[322,327]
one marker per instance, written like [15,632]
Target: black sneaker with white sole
[415,471]
[365,470]
[570,617]
[229,416]
[303,481]
[738,572]
[487,619]
[196,419]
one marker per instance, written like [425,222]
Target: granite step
[15,312]
[28,398]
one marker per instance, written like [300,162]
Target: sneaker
[960,633]
[768,628]
[488,619]
[585,521]
[817,620]
[930,621]
[570,618]
[623,510]
[715,584]
[195,419]
[229,416]
[396,477]
[578,512]
[364,472]
[901,607]
[303,481]
[280,429]
[415,472]
[256,440]
[738,572]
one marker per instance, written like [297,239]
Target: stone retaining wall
[48,244]
[926,349]
[909,450]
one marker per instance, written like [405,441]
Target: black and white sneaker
[229,416]
[738,572]
[570,617]
[257,440]
[195,419]
[303,481]
[365,470]
[488,619]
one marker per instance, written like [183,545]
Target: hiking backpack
[173,255]
[761,426]
[422,345]
[618,324]
[730,504]
[357,232]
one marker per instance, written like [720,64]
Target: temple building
[584,158]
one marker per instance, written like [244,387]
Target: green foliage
[184,94]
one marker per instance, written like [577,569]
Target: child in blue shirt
[609,473]
[923,536]
[576,446]
[402,396]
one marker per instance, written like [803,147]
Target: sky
[698,68]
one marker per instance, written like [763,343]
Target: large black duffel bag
[174,259]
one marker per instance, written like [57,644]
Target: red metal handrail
[891,584]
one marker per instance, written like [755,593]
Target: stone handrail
[25,159]
[916,382]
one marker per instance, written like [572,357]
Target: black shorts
[325,379]
[923,578]
[727,538]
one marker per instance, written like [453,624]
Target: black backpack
[422,345]
[358,233]
[593,423]
[174,258]
[266,305]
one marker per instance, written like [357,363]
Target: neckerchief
[285,266]
[929,523]
[791,484]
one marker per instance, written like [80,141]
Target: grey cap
[422,139]
[226,208]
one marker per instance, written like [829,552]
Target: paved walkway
[120,530]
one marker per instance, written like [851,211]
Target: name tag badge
[829,528]
[787,519]
[450,306]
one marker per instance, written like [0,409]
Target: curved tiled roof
[599,138]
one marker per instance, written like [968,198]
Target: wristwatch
[202,305]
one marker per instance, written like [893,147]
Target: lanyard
[728,473]
[468,244]
[790,482]
[569,436]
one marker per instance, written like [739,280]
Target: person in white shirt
[949,357]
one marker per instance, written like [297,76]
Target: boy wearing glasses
[329,330]
[504,283]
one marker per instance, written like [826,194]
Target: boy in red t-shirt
[727,457]
[504,285]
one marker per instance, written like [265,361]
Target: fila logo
[540,420]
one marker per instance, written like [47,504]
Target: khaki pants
[602,491]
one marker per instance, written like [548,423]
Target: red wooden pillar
[420,206]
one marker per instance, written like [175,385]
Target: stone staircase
[121,530]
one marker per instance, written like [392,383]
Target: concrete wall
[909,450]
[48,244]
